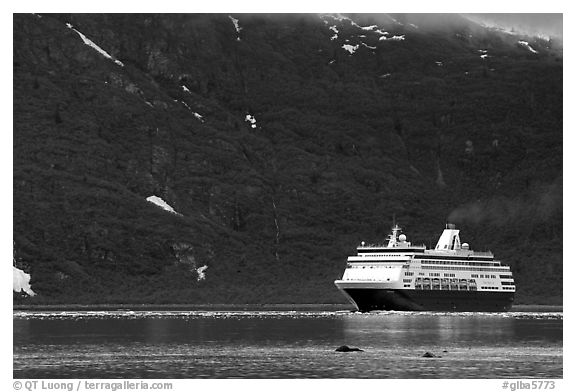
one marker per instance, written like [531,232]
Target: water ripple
[129,314]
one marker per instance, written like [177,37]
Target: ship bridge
[396,244]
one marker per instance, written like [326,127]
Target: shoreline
[232,307]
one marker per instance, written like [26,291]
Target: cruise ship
[450,277]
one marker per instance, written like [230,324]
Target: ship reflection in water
[203,344]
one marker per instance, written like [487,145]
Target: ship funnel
[450,238]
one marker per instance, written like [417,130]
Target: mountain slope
[281,141]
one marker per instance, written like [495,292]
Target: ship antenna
[393,237]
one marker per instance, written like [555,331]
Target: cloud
[500,211]
[547,25]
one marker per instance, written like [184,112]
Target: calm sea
[286,344]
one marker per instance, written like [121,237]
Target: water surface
[286,344]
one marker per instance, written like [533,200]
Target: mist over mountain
[541,25]
[214,158]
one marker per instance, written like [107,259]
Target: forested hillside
[281,142]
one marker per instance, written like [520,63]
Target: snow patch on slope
[161,203]
[350,48]
[21,282]
[527,45]
[393,38]
[184,103]
[90,43]
[335,30]
[197,115]
[251,119]
[201,273]
[341,18]
[236,26]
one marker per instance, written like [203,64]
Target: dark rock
[430,355]
[345,349]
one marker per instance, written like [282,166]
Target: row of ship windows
[439,288]
[433,274]
[445,281]
[458,262]
[370,266]
[445,274]
[466,268]
[453,275]
[445,262]
[496,288]
[451,287]
[483,276]
[380,255]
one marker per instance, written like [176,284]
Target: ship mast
[393,237]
